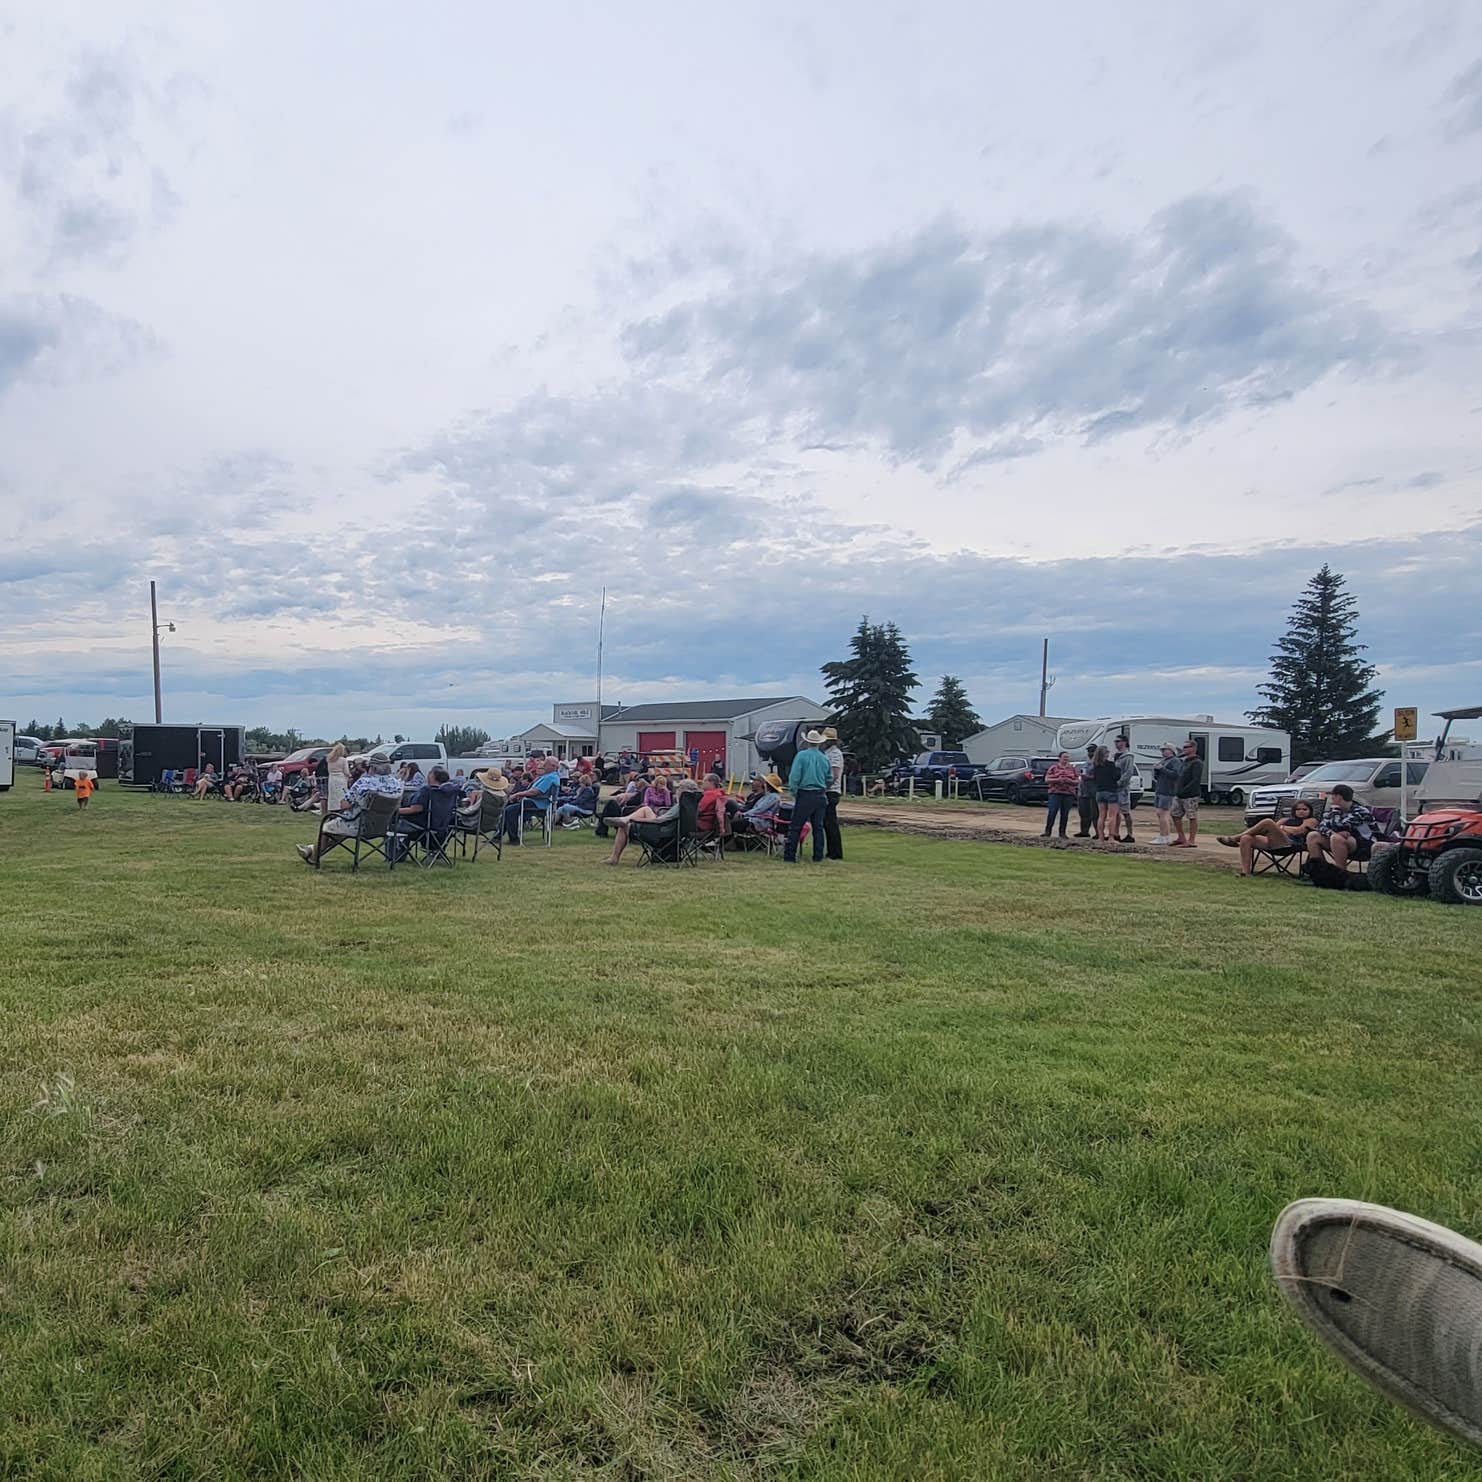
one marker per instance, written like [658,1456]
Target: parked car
[1016,779]
[1375,781]
[29,750]
[305,759]
[935,766]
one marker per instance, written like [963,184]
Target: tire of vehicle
[1014,793]
[1236,797]
[1389,880]
[1456,877]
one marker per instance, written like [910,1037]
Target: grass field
[956,1160]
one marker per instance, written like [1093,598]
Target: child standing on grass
[83,787]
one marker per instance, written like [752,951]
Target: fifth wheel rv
[1236,758]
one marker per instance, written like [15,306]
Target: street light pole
[154,633]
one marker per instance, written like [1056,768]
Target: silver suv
[1375,780]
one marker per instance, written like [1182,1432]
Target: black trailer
[148,750]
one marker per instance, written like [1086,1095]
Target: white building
[1015,735]
[713,728]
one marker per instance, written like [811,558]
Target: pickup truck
[935,766]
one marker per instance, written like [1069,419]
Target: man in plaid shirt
[1346,831]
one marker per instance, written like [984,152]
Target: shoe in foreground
[1397,1298]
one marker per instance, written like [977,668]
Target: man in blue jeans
[808,782]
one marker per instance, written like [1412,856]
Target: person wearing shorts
[1185,808]
[1126,771]
[1165,789]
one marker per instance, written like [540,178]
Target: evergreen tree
[59,730]
[950,714]
[461,740]
[871,695]
[1319,687]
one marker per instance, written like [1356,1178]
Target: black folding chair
[675,841]
[482,827]
[372,828]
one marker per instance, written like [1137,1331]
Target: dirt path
[1005,824]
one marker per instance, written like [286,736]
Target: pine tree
[461,740]
[871,695]
[1319,687]
[59,730]
[950,714]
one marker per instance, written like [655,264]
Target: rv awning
[1471,712]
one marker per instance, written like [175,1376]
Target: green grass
[958,1160]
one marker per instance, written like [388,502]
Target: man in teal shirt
[808,782]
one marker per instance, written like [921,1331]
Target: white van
[1237,758]
[7,754]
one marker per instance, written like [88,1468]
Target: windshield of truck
[1341,772]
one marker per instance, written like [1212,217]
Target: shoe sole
[1397,1298]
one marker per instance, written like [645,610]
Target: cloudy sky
[383,337]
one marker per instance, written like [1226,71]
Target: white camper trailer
[1236,758]
[7,754]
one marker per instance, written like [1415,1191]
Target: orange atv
[1441,851]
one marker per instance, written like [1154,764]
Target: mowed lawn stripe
[954,1160]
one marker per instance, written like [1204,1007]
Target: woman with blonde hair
[336,776]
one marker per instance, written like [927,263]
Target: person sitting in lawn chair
[531,801]
[628,800]
[625,826]
[377,778]
[430,812]
[579,804]
[1273,835]
[759,806]
[1346,831]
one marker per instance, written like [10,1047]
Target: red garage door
[655,741]
[710,745]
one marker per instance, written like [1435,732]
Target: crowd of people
[1098,788]
[431,803]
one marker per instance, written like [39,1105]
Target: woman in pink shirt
[657,795]
[1061,779]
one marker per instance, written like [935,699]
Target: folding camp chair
[165,782]
[483,827]
[762,836]
[547,817]
[675,841]
[1267,860]
[373,824]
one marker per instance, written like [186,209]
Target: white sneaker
[1161,839]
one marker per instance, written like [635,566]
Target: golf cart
[75,758]
[1441,851]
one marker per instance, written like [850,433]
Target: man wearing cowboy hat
[808,781]
[833,754]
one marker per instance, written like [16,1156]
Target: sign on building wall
[567,713]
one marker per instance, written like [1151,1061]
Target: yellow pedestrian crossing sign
[1405,722]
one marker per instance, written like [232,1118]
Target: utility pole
[154,633]
[601,621]
[1044,676]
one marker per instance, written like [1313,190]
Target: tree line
[1320,690]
